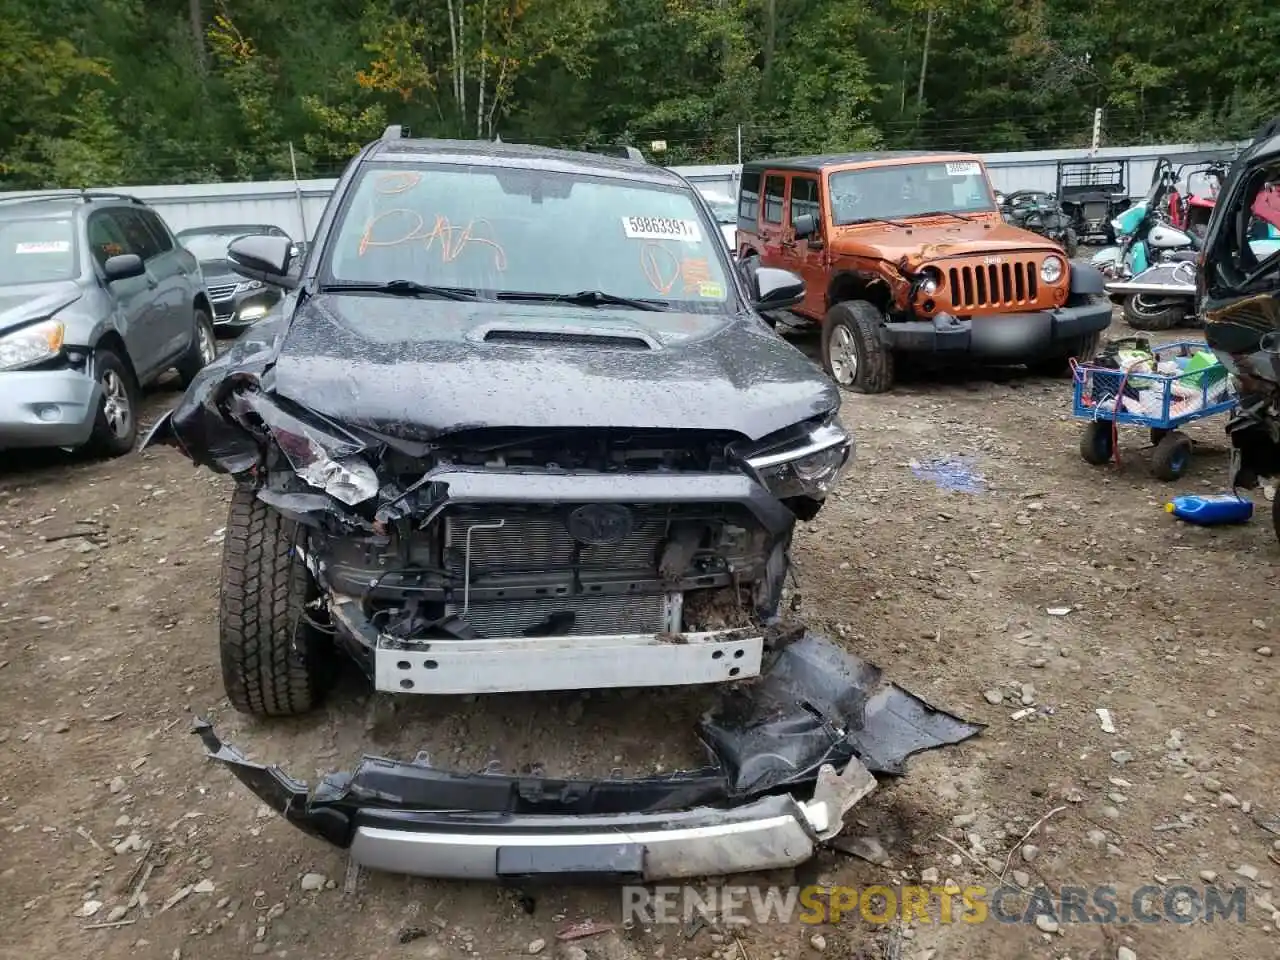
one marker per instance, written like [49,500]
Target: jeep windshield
[903,190]
[36,250]
[544,237]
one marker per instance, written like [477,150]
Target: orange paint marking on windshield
[660,266]
[398,182]
[694,272]
[452,240]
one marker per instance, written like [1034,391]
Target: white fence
[296,207]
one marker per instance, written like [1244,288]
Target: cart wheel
[1095,445]
[1172,456]
[1158,434]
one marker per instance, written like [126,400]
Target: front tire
[274,662]
[115,426]
[853,354]
[1158,315]
[202,352]
[1083,349]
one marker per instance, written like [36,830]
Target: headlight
[932,281]
[1051,269]
[40,341]
[244,286]
[810,468]
[320,458]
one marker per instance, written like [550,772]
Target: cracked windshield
[512,231]
[909,190]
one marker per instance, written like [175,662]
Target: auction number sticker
[965,168]
[661,228]
[44,246]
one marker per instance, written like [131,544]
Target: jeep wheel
[115,427]
[1155,313]
[274,661]
[853,354]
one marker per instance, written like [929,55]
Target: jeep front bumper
[1003,336]
[769,797]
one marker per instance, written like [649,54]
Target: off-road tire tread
[1164,320]
[191,364]
[102,442]
[264,588]
[1165,453]
[875,359]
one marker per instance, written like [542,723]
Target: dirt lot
[107,647]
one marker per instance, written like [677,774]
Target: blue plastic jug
[1210,511]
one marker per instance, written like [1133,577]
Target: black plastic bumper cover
[1004,335]
[815,708]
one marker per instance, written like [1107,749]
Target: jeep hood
[936,240]
[417,369]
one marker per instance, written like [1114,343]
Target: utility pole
[1097,132]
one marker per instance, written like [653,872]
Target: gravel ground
[107,646]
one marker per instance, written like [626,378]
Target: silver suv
[97,300]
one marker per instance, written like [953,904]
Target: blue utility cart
[1106,398]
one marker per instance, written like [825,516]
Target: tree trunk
[924,64]
[196,17]
[484,69]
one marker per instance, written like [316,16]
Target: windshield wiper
[404,288]
[892,223]
[947,213]
[583,298]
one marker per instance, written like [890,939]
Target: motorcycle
[1039,212]
[1151,273]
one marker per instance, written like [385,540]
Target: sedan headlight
[244,286]
[40,341]
[1051,269]
[810,468]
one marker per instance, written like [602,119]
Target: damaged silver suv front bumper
[790,755]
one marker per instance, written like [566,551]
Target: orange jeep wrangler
[906,253]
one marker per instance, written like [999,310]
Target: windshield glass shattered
[36,251]
[909,190]
[536,233]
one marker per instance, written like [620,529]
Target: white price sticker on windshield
[661,228]
[44,246]
[965,168]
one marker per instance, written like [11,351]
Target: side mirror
[265,258]
[776,289]
[805,226]
[123,266]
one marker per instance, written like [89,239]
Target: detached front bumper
[1006,336]
[770,796]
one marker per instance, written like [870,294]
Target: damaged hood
[938,239]
[418,369]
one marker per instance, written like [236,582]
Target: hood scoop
[560,336]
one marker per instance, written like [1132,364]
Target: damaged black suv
[518,427]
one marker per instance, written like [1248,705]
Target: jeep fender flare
[1087,280]
[859,285]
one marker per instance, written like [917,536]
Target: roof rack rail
[620,151]
[72,194]
[395,131]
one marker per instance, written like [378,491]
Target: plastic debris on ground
[949,473]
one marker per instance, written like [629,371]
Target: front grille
[222,291]
[1009,284]
[537,541]
[573,616]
